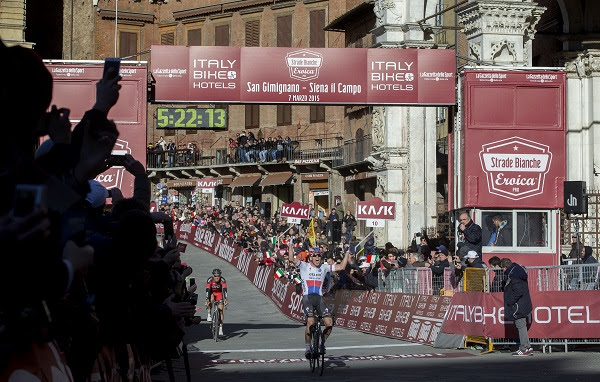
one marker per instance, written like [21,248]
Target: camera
[418,234]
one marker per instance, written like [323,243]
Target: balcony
[318,150]
[353,151]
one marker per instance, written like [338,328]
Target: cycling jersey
[218,289]
[313,277]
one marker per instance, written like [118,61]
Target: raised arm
[342,265]
[291,255]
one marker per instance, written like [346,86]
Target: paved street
[261,344]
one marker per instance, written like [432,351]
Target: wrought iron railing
[354,151]
[323,149]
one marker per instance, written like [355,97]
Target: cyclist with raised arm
[313,273]
[216,293]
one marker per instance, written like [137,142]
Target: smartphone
[28,197]
[117,160]
[181,247]
[111,62]
[192,281]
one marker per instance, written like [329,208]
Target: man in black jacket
[517,303]
[469,235]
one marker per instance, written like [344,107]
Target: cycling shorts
[312,302]
[218,297]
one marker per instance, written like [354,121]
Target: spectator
[350,222]
[517,303]
[469,235]
[171,151]
[502,235]
[438,267]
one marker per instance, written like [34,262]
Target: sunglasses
[315,255]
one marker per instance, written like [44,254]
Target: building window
[222,35]
[317,29]
[167,38]
[317,113]
[128,44]
[253,33]
[515,229]
[252,116]
[284,31]
[284,115]
[194,37]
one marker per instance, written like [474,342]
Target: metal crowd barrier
[407,280]
[541,278]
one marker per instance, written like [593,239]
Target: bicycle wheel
[322,354]
[311,360]
[216,322]
[315,348]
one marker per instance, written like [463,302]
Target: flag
[371,259]
[269,254]
[310,233]
[278,273]
[297,279]
[274,240]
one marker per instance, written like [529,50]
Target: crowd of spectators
[369,267]
[244,148]
[170,154]
[249,149]
[86,292]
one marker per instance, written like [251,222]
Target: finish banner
[303,75]
[410,317]
[568,314]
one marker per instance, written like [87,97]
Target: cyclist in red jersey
[216,292]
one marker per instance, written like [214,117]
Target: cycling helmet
[216,271]
[315,250]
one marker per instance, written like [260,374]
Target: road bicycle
[317,357]
[216,321]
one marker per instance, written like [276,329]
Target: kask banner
[303,75]
[567,314]
[409,317]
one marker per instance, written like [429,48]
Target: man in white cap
[473,261]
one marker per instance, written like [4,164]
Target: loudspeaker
[575,197]
[264,209]
[219,191]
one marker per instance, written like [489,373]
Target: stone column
[12,23]
[404,137]
[583,114]
[500,32]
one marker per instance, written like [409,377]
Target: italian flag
[278,273]
[371,259]
[274,240]
[297,279]
[268,254]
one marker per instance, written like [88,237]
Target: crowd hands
[97,287]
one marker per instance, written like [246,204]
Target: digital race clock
[193,118]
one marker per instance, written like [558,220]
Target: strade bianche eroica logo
[515,167]
[304,64]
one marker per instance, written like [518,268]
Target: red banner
[406,316]
[304,75]
[295,210]
[569,314]
[376,209]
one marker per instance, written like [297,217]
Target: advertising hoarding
[514,139]
[303,75]
[75,89]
